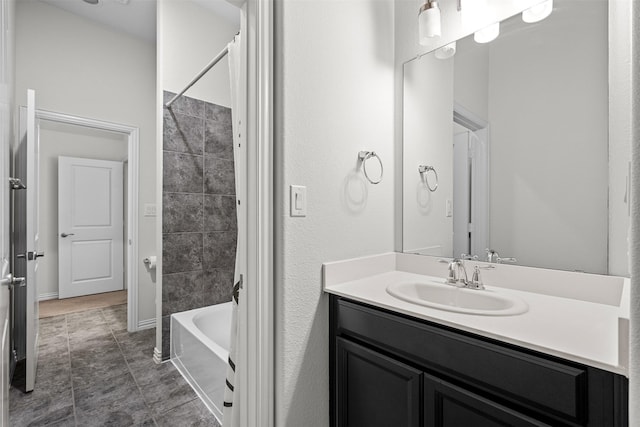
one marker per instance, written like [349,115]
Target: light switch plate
[298,201]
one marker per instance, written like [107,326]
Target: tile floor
[92,372]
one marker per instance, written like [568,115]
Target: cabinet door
[446,405]
[374,390]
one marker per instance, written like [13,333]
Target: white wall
[334,86]
[620,98]
[549,158]
[471,70]
[428,134]
[192,37]
[630,15]
[72,141]
[84,69]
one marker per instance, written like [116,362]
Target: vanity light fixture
[487,34]
[446,51]
[538,12]
[429,22]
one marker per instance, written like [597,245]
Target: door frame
[480,213]
[131,248]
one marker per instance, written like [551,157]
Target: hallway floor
[92,372]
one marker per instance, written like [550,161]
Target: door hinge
[16,184]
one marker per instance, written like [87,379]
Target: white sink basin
[461,300]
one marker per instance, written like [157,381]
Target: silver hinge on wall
[16,184]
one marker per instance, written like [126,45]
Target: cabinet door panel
[510,374]
[375,390]
[446,405]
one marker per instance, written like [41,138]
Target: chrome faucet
[494,257]
[456,266]
[456,272]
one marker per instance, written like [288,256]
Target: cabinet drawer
[542,385]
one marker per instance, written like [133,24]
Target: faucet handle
[476,281]
[492,256]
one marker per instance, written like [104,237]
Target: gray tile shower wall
[199,228]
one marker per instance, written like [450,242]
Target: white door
[90,226]
[26,239]
[470,193]
[461,195]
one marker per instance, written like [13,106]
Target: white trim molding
[256,321]
[48,296]
[147,324]
[133,136]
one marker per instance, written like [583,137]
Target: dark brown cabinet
[391,370]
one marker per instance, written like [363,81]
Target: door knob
[39,254]
[67,234]
[10,281]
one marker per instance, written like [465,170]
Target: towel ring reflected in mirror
[423,170]
[366,155]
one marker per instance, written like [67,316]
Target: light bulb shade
[447,51]
[538,12]
[487,34]
[429,25]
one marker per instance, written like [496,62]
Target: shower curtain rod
[204,71]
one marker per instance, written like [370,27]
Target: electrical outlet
[150,209]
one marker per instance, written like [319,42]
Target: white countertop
[589,326]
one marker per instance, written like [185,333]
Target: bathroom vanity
[397,363]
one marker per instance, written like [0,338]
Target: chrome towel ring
[366,155]
[423,170]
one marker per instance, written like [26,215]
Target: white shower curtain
[231,412]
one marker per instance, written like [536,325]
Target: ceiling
[138,17]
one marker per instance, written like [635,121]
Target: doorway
[63,134]
[470,184]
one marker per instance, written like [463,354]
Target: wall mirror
[506,145]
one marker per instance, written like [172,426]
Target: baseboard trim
[146,324]
[50,295]
[157,355]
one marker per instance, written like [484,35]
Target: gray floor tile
[67,422]
[53,377]
[117,388]
[57,346]
[83,319]
[39,407]
[58,417]
[146,371]
[138,343]
[167,391]
[53,326]
[131,411]
[88,336]
[116,317]
[90,375]
[89,360]
[191,414]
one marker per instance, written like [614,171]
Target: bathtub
[199,350]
